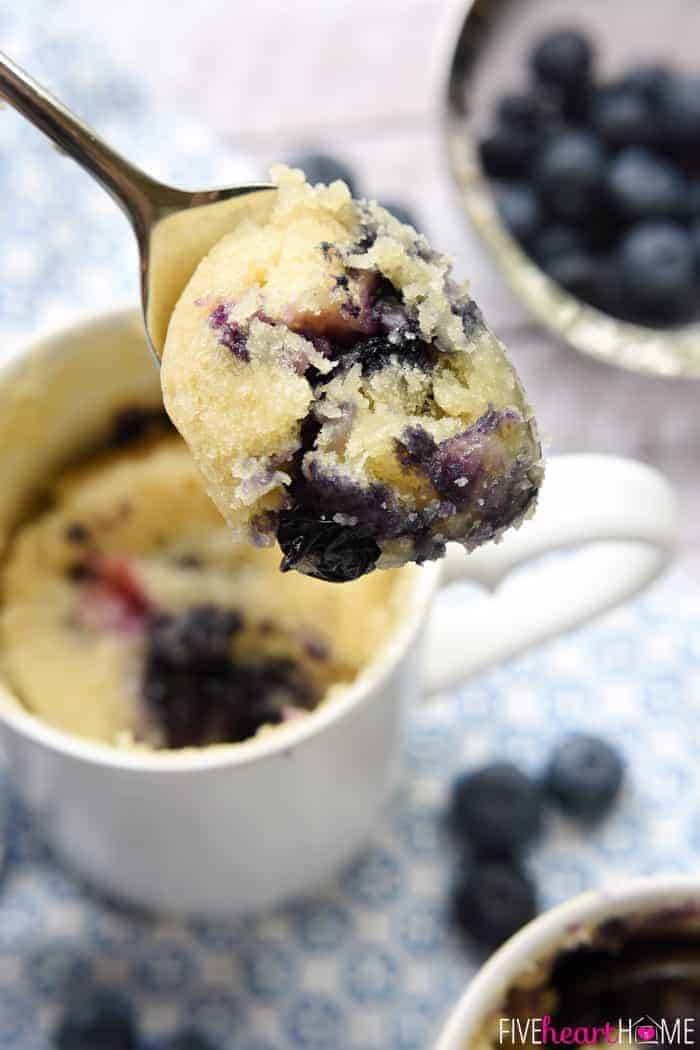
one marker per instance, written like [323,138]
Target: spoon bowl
[174,228]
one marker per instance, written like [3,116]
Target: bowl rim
[672,353]
[544,933]
[56,341]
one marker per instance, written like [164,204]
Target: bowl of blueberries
[573,136]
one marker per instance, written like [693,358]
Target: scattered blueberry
[322,167]
[657,269]
[402,212]
[190,1039]
[643,186]
[584,776]
[507,152]
[569,173]
[563,58]
[497,810]
[492,901]
[103,1021]
[556,240]
[520,209]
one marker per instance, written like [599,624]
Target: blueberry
[491,901]
[497,809]
[644,186]
[103,1021]
[564,58]
[523,112]
[569,172]
[322,167]
[520,209]
[695,238]
[201,635]
[649,80]
[680,110]
[320,547]
[557,240]
[584,776]
[190,1039]
[402,212]
[507,152]
[197,693]
[229,333]
[578,272]
[624,117]
[657,270]
[694,200]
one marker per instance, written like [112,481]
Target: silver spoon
[174,228]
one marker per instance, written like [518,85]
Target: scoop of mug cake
[341,393]
[130,617]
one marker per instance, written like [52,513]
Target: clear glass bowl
[486,57]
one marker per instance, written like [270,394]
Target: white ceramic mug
[671,903]
[237,828]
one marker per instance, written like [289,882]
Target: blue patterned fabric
[367,962]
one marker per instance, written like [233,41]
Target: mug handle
[625,515]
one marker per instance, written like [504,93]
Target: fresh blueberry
[608,294]
[402,212]
[507,152]
[624,117]
[497,810]
[558,240]
[322,167]
[103,1021]
[643,186]
[520,209]
[578,272]
[695,238]
[190,1039]
[584,776]
[522,112]
[680,110]
[563,58]
[694,200]
[492,900]
[657,270]
[649,80]
[569,172]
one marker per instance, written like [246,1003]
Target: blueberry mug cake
[341,393]
[130,618]
[624,981]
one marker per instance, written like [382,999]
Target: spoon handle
[131,188]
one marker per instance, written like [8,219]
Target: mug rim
[546,932]
[278,739]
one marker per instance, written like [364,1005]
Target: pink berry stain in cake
[112,597]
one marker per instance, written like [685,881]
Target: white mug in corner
[666,904]
[237,828]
